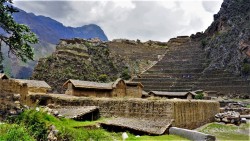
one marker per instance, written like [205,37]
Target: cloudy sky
[145,20]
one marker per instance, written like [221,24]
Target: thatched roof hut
[95,89]
[182,95]
[3,76]
[88,84]
[34,86]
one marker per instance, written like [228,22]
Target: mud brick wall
[186,113]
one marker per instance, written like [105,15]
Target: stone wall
[10,86]
[9,105]
[186,113]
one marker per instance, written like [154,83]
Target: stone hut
[134,89]
[180,95]
[3,76]
[34,86]
[95,89]
[23,87]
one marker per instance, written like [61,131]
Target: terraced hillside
[182,69]
[139,56]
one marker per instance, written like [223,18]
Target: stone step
[188,70]
[192,83]
[182,75]
[183,66]
[179,61]
[228,89]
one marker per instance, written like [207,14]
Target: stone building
[23,87]
[134,89]
[180,95]
[34,86]
[95,89]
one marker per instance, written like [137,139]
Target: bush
[34,123]
[103,78]
[204,43]
[125,75]
[199,96]
[246,68]
[14,133]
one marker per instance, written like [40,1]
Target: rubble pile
[228,117]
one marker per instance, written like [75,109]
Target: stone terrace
[181,69]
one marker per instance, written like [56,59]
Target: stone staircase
[181,69]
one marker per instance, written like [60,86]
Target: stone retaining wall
[186,113]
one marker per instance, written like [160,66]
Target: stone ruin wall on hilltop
[186,114]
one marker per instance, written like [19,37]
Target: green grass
[248,106]
[14,132]
[228,132]
[156,138]
[34,125]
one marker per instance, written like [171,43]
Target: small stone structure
[82,113]
[23,87]
[186,113]
[138,125]
[181,95]
[95,89]
[134,89]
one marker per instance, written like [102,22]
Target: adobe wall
[10,86]
[186,113]
[133,91]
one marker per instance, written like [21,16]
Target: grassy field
[32,125]
[227,132]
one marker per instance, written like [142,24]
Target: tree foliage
[17,37]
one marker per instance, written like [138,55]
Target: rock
[55,113]
[52,134]
[16,96]
[228,117]
[243,120]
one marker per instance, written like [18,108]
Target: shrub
[14,133]
[204,43]
[125,74]
[199,95]
[103,78]
[34,123]
[246,68]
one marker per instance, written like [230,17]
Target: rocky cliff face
[227,40]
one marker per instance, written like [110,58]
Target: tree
[17,37]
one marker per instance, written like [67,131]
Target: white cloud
[145,20]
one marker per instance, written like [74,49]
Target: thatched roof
[92,85]
[76,112]
[3,76]
[153,127]
[130,83]
[144,92]
[162,93]
[33,83]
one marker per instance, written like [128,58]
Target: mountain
[49,32]
[52,31]
[227,39]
